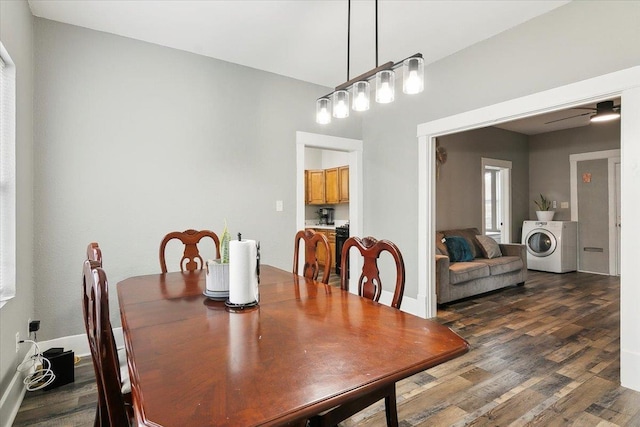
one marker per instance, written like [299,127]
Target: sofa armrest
[442,270]
[513,249]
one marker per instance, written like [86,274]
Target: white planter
[545,215]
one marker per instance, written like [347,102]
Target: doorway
[595,195]
[496,199]
[625,83]
[353,147]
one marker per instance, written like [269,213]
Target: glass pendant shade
[360,96]
[323,111]
[341,104]
[385,86]
[413,75]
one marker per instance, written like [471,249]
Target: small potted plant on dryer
[544,212]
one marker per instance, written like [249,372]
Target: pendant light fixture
[336,104]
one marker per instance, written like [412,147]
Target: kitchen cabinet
[343,180]
[321,253]
[332,186]
[326,186]
[315,185]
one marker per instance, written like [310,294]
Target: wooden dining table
[307,347]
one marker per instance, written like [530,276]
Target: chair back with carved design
[311,268]
[191,259]
[369,284]
[111,409]
[94,254]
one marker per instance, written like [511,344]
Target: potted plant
[544,212]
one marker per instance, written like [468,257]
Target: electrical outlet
[17,342]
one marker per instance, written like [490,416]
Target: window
[7,177]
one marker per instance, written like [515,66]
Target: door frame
[624,83]
[505,166]
[612,156]
[353,147]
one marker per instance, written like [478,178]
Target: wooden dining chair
[369,286]
[113,407]
[191,259]
[311,268]
[94,254]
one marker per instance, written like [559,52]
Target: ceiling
[556,120]
[303,39]
[307,39]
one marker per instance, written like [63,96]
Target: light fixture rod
[376,33]
[365,76]
[348,36]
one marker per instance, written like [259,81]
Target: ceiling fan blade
[567,118]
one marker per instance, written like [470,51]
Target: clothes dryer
[551,245]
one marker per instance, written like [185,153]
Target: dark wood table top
[307,348]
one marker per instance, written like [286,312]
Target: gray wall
[543,53]
[549,160]
[134,140]
[16,33]
[459,188]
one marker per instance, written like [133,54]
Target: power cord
[42,375]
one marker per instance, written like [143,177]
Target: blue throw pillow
[459,249]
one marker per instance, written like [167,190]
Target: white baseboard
[14,394]
[12,397]
[630,369]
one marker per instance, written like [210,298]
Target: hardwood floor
[546,354]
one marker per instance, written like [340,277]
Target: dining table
[306,347]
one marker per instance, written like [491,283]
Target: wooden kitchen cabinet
[332,186]
[343,180]
[326,186]
[315,187]
[321,253]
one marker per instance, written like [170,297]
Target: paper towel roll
[243,275]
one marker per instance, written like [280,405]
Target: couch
[485,269]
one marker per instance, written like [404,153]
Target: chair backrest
[111,405]
[191,259]
[369,285]
[311,267]
[94,254]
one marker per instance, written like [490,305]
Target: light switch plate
[279,206]
[564,205]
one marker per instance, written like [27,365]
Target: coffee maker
[326,216]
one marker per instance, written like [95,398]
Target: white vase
[545,215]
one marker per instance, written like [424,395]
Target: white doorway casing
[613,157]
[505,167]
[353,147]
[624,83]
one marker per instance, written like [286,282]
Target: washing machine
[551,245]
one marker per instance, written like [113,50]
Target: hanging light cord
[348,37]
[376,33]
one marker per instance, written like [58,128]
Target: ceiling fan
[605,111]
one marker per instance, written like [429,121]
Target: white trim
[14,394]
[354,148]
[624,83]
[505,166]
[612,155]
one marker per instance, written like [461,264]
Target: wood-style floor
[546,354]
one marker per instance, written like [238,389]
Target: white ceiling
[303,39]
[307,39]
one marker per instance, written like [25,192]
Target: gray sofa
[457,280]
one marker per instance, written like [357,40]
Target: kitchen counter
[321,226]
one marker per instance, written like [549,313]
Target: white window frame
[7,177]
